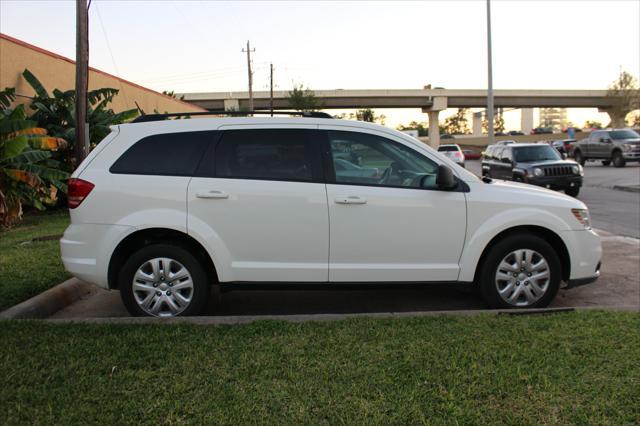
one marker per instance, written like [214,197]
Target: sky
[196,46]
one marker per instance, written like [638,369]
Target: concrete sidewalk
[618,287]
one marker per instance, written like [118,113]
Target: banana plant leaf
[26,157]
[35,84]
[13,147]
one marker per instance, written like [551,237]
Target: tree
[422,128]
[634,120]
[457,124]
[589,124]
[625,88]
[57,114]
[172,94]
[498,123]
[303,99]
[370,116]
[28,174]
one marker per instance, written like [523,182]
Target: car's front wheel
[520,271]
[618,159]
[164,281]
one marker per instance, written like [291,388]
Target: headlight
[537,172]
[575,169]
[627,147]
[583,217]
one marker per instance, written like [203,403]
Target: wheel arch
[546,234]
[148,236]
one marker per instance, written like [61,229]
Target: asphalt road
[612,210]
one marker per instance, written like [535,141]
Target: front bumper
[585,253]
[555,182]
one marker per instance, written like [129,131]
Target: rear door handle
[212,194]
[350,199]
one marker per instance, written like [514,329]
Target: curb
[50,301]
[627,188]
[248,319]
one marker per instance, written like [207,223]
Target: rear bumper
[86,250]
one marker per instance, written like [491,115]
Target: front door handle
[350,199]
[212,194]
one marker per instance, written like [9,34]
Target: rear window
[169,154]
[271,154]
[447,148]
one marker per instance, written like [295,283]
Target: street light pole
[490,111]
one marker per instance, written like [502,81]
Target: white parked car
[453,152]
[163,210]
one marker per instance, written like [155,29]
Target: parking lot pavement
[612,210]
[619,286]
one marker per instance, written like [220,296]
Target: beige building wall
[57,72]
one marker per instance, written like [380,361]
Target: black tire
[498,252]
[201,286]
[572,191]
[577,155]
[618,159]
[606,162]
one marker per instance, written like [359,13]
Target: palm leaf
[7,96]
[23,176]
[35,84]
[99,94]
[13,147]
[45,173]
[28,157]
[48,143]
[9,126]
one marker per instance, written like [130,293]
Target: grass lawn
[28,268]
[579,368]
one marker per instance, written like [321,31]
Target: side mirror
[445,178]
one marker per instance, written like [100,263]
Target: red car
[470,154]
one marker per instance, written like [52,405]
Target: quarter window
[365,159]
[169,154]
[273,154]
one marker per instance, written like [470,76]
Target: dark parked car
[542,131]
[516,133]
[446,136]
[564,146]
[615,146]
[536,164]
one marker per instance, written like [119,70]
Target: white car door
[262,205]
[390,227]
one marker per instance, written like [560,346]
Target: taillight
[78,190]
[458,154]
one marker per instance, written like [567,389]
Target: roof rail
[158,117]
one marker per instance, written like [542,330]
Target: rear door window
[169,154]
[269,154]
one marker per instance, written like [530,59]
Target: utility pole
[82,80]
[490,74]
[271,90]
[249,51]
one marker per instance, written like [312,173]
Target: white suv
[163,210]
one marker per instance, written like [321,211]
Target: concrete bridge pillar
[231,105]
[617,117]
[439,104]
[526,120]
[477,123]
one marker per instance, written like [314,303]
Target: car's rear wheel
[579,157]
[521,271]
[164,281]
[618,159]
[606,162]
[572,191]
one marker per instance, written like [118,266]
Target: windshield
[528,154]
[442,148]
[624,134]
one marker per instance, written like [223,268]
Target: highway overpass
[431,101]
